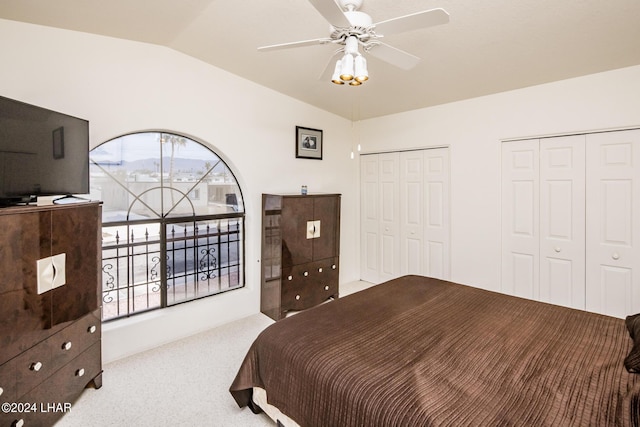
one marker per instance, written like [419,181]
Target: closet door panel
[389,173]
[436,210]
[412,248]
[520,218]
[370,218]
[562,221]
[613,223]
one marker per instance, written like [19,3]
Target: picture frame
[308,143]
[58,143]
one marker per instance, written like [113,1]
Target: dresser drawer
[74,339]
[72,378]
[33,367]
[306,285]
[8,381]
[57,393]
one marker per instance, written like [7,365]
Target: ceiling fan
[351,29]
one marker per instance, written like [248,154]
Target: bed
[418,351]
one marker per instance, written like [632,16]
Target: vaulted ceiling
[488,46]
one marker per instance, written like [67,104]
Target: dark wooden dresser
[50,346]
[300,251]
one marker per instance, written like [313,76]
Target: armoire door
[296,212]
[613,223]
[325,210]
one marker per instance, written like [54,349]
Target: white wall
[473,130]
[122,87]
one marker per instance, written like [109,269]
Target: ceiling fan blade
[393,56]
[295,44]
[414,21]
[331,12]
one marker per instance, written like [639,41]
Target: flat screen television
[42,153]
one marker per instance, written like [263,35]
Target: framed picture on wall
[308,143]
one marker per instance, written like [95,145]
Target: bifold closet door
[412,239]
[436,209]
[543,220]
[369,218]
[520,218]
[562,221]
[405,214]
[380,228]
[613,223]
[389,176]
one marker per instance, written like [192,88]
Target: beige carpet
[184,383]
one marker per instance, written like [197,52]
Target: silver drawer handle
[1,391]
[19,423]
[92,329]
[320,270]
[326,288]
[290,278]
[297,297]
[306,273]
[66,346]
[36,366]
[333,266]
[80,372]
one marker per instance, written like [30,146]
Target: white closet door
[369,219]
[436,210]
[613,223]
[562,221]
[412,250]
[520,219]
[389,190]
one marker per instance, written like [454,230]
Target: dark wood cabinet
[50,340]
[300,251]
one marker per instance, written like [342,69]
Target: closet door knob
[615,255]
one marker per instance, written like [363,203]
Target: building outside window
[173,222]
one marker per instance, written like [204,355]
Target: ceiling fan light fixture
[361,72]
[346,74]
[335,78]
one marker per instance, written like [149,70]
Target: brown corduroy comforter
[417,351]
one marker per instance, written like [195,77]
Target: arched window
[173,222]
